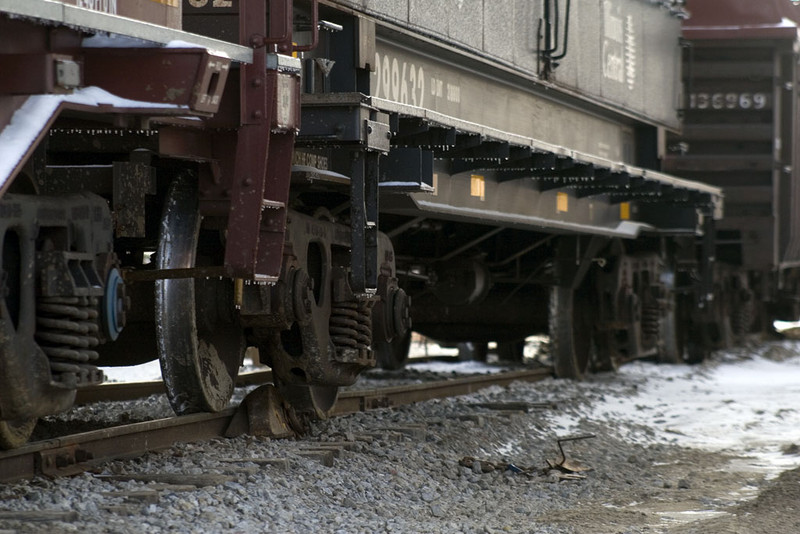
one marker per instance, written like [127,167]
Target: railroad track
[121,391]
[73,454]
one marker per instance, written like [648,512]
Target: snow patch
[33,116]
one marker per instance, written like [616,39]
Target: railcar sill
[114,24]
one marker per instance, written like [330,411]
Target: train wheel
[672,326]
[511,351]
[392,355]
[200,342]
[607,354]
[698,345]
[742,317]
[313,402]
[671,342]
[473,351]
[570,332]
[15,434]
[278,349]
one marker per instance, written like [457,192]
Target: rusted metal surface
[252,147]
[269,118]
[743,18]
[162,13]
[190,77]
[167,274]
[264,413]
[48,13]
[359,401]
[73,454]
[69,455]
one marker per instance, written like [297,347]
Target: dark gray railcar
[525,145]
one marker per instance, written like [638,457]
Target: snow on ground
[134,373]
[419,350]
[719,406]
[458,368]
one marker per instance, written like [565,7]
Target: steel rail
[363,400]
[120,391]
[73,454]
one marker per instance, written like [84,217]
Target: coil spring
[66,330]
[651,315]
[351,325]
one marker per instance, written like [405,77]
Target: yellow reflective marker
[625,211]
[562,202]
[478,186]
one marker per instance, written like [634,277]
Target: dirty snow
[33,116]
[718,407]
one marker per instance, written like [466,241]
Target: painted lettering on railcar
[620,48]
[401,81]
[422,80]
[214,3]
[107,6]
[729,100]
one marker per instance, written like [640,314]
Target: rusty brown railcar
[740,133]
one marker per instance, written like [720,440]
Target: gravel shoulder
[717,459]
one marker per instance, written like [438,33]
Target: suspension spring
[351,326]
[651,313]
[67,330]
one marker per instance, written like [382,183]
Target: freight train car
[311,178]
[740,133]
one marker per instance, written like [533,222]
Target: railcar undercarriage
[207,206]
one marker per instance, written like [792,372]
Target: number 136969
[720,101]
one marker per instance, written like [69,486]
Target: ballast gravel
[481,463]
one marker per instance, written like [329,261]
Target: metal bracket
[377,136]
[64,461]
[132,181]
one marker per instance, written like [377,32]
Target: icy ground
[744,402]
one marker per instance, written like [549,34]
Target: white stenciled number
[400,81]
[395,80]
[722,101]
[404,85]
[421,87]
[745,101]
[415,79]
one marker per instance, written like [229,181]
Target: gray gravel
[439,466]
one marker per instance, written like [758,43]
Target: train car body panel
[741,134]
[624,54]
[530,164]
[476,96]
